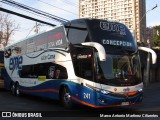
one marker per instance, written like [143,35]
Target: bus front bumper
[118,100]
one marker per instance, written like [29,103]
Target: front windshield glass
[119,70]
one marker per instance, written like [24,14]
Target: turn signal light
[132,93]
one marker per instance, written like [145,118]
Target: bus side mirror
[154,55]
[100,49]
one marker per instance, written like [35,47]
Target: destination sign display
[116,43]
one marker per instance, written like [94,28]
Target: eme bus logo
[16,63]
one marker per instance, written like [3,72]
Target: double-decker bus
[1,69]
[86,61]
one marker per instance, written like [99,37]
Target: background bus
[1,69]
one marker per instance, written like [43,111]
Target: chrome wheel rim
[17,90]
[13,88]
[67,96]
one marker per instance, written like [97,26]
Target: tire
[66,98]
[17,91]
[12,88]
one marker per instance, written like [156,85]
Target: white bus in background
[86,61]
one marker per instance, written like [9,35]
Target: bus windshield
[119,70]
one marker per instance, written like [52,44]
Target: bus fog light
[101,100]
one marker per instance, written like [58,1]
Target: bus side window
[83,65]
[61,72]
[88,73]
[27,72]
[78,32]
[86,69]
[42,69]
[58,71]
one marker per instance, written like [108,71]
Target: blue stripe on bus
[50,89]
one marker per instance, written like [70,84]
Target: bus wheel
[17,91]
[12,88]
[66,98]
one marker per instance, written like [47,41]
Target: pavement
[151,98]
[152,86]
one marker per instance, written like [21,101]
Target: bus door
[83,62]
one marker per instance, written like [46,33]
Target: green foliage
[157,36]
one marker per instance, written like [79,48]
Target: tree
[157,36]
[7,28]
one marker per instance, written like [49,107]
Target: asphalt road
[52,108]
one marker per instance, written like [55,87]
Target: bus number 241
[86,95]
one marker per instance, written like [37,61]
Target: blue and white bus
[86,61]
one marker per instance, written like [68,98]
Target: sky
[67,9]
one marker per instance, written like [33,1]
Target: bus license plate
[125,103]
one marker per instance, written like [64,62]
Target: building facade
[130,12]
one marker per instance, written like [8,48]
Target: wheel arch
[10,84]
[62,87]
[16,82]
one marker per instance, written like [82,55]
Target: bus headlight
[104,92]
[98,89]
[140,90]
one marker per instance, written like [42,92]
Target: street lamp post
[147,72]
[135,34]
[147,12]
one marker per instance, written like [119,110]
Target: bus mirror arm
[154,55]
[100,49]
